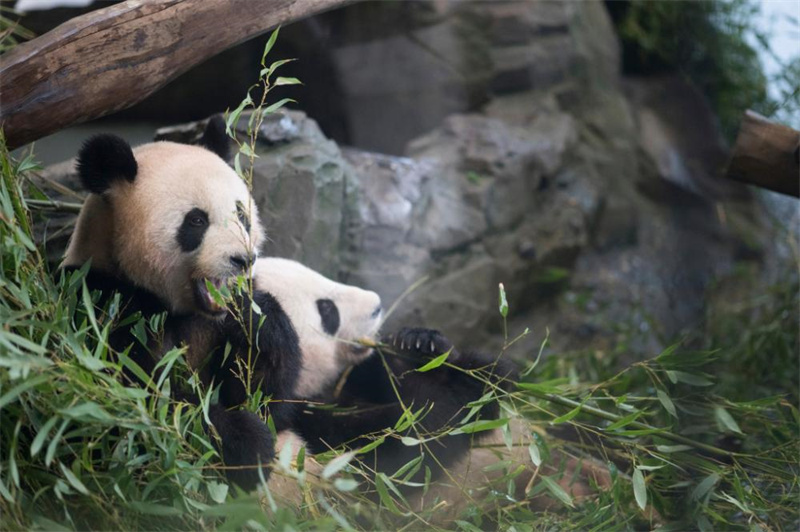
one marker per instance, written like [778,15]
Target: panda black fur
[161,219]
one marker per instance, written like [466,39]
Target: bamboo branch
[52,205]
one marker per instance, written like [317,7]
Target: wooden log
[112,58]
[767,155]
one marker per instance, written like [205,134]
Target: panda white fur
[333,322]
[161,220]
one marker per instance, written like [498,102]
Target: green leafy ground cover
[694,439]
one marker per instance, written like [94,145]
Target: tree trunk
[112,58]
[767,155]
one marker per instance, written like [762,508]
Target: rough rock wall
[597,201]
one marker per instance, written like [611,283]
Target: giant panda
[160,221]
[337,326]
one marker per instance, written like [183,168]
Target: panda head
[331,319]
[166,216]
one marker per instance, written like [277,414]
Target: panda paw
[424,343]
[246,446]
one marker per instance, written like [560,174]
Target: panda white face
[168,218]
[331,319]
[186,218]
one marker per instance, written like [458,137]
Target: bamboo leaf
[480,426]
[42,435]
[627,420]
[286,81]
[536,456]
[270,43]
[337,464]
[705,486]
[726,420]
[247,150]
[557,491]
[17,390]
[277,105]
[673,448]
[666,402]
[568,416]
[233,118]
[154,509]
[73,480]
[688,378]
[436,362]
[639,489]
[217,491]
[370,446]
[380,485]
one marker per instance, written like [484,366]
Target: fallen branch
[112,58]
[767,155]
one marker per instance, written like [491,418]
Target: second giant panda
[335,323]
[161,221]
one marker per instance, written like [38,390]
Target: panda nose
[241,262]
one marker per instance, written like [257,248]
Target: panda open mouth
[203,297]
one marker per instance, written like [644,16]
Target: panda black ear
[103,159]
[215,139]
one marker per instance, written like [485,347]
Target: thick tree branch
[767,155]
[114,57]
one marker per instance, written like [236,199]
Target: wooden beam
[767,155]
[112,58]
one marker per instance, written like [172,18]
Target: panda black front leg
[246,446]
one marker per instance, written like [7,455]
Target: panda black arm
[468,381]
[245,443]
[273,347]
[133,300]
[442,393]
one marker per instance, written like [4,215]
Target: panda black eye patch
[190,235]
[241,213]
[329,314]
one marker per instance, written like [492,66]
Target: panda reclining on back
[333,322]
